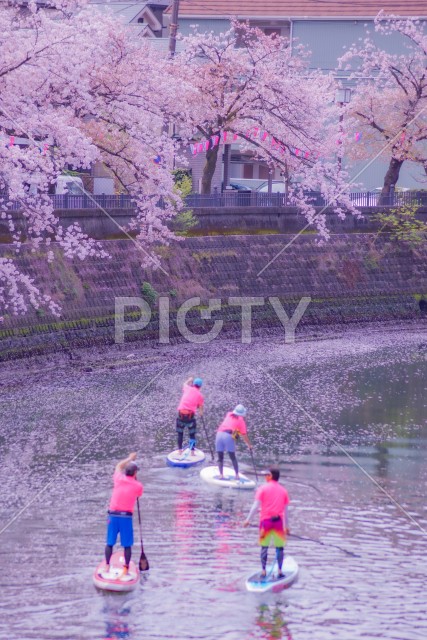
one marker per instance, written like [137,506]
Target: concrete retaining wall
[350,278]
[98,225]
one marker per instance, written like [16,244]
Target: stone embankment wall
[351,278]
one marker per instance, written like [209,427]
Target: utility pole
[172,50]
[173,28]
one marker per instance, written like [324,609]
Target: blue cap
[197,382]
[240,410]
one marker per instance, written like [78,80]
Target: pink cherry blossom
[389,102]
[80,89]
[250,85]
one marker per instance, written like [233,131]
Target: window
[248,171]
[272,31]
[273,27]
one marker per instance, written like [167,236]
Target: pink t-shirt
[233,423]
[126,490]
[273,498]
[191,399]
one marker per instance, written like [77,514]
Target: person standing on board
[125,493]
[229,430]
[191,401]
[273,500]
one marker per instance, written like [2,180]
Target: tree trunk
[390,179]
[209,169]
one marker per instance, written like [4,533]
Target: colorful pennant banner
[226,137]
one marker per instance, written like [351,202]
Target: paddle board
[256,583]
[211,475]
[112,581]
[185,459]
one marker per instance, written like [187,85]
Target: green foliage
[149,294]
[70,172]
[183,181]
[173,293]
[403,226]
[185,221]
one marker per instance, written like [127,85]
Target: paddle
[207,437]
[253,462]
[143,560]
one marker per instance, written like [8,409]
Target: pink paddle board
[114,580]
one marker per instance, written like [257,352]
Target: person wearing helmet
[191,401]
[229,430]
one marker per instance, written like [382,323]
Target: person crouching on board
[125,493]
[191,401]
[228,432]
[273,500]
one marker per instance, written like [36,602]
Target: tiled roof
[301,8]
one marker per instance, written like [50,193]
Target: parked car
[65,184]
[73,185]
[239,187]
[277,186]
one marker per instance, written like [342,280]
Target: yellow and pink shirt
[233,423]
[126,490]
[191,399]
[273,498]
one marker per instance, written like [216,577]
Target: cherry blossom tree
[389,103]
[250,86]
[79,89]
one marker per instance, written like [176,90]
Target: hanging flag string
[226,137]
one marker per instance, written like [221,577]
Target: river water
[361,546]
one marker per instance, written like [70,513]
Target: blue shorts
[225,442]
[122,525]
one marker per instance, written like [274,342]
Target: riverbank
[117,357]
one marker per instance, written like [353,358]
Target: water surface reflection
[363,562]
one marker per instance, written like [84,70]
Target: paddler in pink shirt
[229,430]
[125,493]
[273,500]
[191,401]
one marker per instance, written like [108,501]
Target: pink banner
[225,137]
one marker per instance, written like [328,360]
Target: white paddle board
[259,584]
[114,580]
[185,459]
[211,475]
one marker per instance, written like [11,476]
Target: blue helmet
[240,410]
[197,382]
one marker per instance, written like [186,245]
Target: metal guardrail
[258,199]
[68,201]
[234,199]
